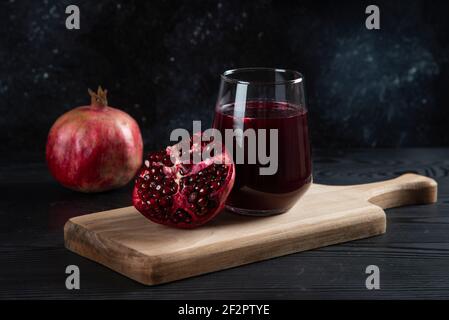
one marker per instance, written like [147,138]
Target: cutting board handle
[406,189]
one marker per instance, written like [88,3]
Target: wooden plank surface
[128,243]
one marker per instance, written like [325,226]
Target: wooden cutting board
[126,242]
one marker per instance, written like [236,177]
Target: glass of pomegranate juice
[273,166]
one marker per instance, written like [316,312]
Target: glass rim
[226,76]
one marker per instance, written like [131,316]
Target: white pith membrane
[193,193]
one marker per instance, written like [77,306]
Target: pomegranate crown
[98,98]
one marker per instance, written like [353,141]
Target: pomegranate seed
[156,210]
[202,191]
[192,197]
[167,161]
[166,191]
[202,202]
[214,185]
[145,196]
[165,202]
[201,211]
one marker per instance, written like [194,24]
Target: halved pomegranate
[183,195]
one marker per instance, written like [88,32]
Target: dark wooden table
[413,256]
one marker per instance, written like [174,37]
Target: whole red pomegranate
[172,193]
[94,148]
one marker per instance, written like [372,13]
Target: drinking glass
[271,103]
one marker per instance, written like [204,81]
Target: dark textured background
[160,61]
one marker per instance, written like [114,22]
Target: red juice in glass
[278,192]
